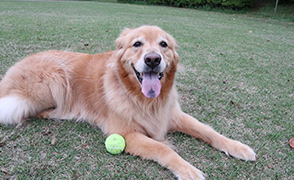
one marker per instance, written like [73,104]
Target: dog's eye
[163,44]
[137,44]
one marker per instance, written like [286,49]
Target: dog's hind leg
[24,93]
[28,101]
[18,104]
[44,114]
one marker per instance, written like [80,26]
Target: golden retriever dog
[129,91]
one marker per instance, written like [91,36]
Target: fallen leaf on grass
[4,171]
[54,141]
[291,142]
[85,145]
[2,144]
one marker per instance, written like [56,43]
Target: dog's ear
[176,56]
[174,47]
[121,39]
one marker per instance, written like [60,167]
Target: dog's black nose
[152,60]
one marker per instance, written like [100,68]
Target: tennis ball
[115,144]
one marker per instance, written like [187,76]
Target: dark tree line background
[232,4]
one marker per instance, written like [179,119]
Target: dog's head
[149,55]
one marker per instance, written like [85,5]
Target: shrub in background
[234,4]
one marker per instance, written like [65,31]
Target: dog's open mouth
[150,82]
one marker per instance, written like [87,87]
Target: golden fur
[103,89]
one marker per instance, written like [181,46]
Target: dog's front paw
[188,172]
[240,151]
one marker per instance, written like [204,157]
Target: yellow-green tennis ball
[115,144]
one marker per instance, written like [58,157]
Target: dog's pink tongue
[151,85]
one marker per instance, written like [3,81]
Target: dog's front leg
[141,145]
[193,127]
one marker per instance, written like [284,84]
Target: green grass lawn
[240,83]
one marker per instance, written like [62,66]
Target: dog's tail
[14,109]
